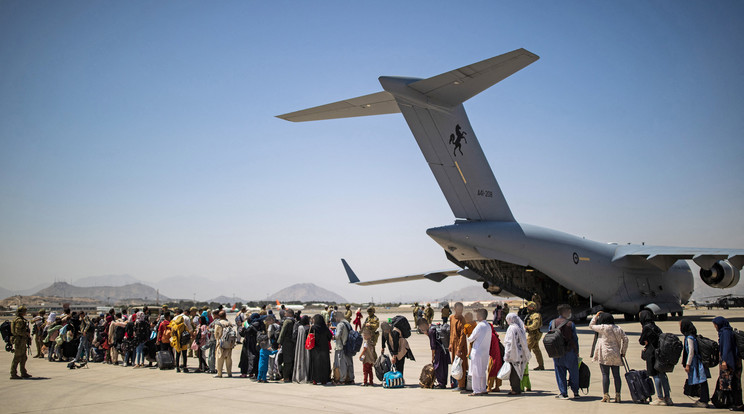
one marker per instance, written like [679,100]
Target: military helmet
[21,309]
[371,309]
[531,304]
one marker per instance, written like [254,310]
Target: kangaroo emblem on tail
[456,140]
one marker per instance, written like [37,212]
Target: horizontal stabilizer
[374,104]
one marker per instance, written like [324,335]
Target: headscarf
[646,317]
[726,342]
[319,322]
[140,316]
[305,320]
[687,328]
[52,317]
[605,318]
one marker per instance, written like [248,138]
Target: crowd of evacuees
[467,352]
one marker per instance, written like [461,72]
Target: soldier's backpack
[7,334]
[443,334]
[229,337]
[668,352]
[708,351]
[353,342]
[554,341]
[426,380]
[402,324]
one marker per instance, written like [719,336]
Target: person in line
[265,353]
[650,340]
[287,345]
[611,344]
[458,345]
[496,360]
[212,342]
[86,338]
[302,355]
[249,351]
[224,349]
[730,360]
[358,320]
[533,323]
[180,325]
[320,362]
[21,339]
[480,353]
[367,356]
[446,312]
[325,313]
[399,349]
[163,337]
[697,373]
[348,313]
[38,331]
[516,352]
[440,358]
[343,364]
[568,364]
[200,343]
[141,336]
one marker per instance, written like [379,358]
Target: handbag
[504,372]
[456,372]
[310,341]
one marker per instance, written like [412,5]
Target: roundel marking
[576,258]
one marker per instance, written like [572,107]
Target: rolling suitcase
[641,386]
[165,360]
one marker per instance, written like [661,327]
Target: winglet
[350,273]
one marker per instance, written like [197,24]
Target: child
[368,356]
[263,358]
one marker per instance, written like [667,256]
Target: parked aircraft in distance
[288,306]
[487,244]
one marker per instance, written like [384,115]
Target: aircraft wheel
[663,316]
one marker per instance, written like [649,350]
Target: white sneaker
[658,402]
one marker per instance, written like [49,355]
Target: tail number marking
[485,193]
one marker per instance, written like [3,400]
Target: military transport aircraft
[487,244]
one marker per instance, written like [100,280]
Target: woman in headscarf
[302,355]
[730,365]
[320,359]
[248,351]
[650,340]
[495,362]
[516,351]
[697,373]
[610,345]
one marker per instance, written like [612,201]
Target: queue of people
[467,352]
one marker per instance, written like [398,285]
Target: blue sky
[139,137]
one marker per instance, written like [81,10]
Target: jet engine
[721,275]
[491,288]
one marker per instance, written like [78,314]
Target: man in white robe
[479,355]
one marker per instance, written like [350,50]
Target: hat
[165,306]
[22,308]
[532,304]
[193,309]
[205,308]
[371,309]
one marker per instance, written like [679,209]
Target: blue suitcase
[641,386]
[393,379]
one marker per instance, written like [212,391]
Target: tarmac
[117,389]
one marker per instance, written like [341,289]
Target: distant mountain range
[305,292]
[102,293]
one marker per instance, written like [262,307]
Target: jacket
[612,343]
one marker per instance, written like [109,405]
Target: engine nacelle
[721,275]
[492,289]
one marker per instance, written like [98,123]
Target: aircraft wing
[435,276]
[379,103]
[664,257]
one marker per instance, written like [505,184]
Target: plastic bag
[457,369]
[504,372]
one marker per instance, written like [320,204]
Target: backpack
[426,379]
[739,338]
[555,342]
[402,324]
[668,352]
[142,329]
[119,332]
[229,337]
[130,330]
[353,342]
[443,334]
[382,366]
[707,351]
[7,334]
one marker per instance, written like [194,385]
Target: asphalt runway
[116,389]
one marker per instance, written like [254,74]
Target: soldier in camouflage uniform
[532,325]
[21,340]
[373,324]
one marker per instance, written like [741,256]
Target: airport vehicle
[486,242]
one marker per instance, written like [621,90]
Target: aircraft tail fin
[433,110]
